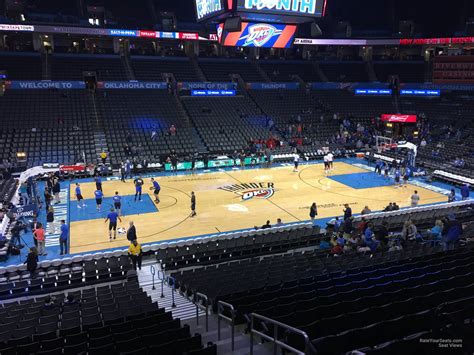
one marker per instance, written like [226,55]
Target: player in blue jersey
[98,182]
[156,190]
[79,197]
[138,182]
[98,199]
[118,203]
[112,218]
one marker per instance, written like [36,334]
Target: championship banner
[395,118]
[25,211]
[262,35]
[206,86]
[43,84]
[132,85]
[273,86]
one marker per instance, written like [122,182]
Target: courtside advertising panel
[262,35]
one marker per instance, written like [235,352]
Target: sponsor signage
[148,34]
[373,92]
[72,168]
[213,93]
[46,84]
[273,86]
[248,191]
[131,85]
[123,33]
[188,36]
[396,118]
[312,8]
[262,35]
[51,165]
[21,28]
[167,35]
[206,86]
[415,92]
[25,211]
[208,8]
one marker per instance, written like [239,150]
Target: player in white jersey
[326,163]
[330,161]
[296,161]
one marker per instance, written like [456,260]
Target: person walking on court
[118,203]
[56,190]
[41,239]
[98,198]
[296,162]
[112,218]
[131,232]
[415,199]
[98,182]
[79,197]
[156,190]
[313,211]
[63,237]
[32,261]
[47,197]
[122,172]
[193,204]
[135,254]
[138,182]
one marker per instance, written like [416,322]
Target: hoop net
[384,143]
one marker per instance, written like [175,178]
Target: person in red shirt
[39,236]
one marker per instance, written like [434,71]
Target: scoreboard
[280,11]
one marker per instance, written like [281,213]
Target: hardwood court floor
[226,201]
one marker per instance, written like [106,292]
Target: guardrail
[276,342]
[221,305]
[198,297]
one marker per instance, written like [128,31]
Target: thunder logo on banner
[259,35]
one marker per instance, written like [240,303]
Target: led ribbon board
[262,35]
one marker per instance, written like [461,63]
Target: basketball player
[397,178]
[112,218]
[326,163]
[330,161]
[98,198]
[98,182]
[296,161]
[138,182]
[193,204]
[156,190]
[118,203]
[79,197]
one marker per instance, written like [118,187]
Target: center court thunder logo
[261,190]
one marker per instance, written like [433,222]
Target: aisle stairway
[186,311]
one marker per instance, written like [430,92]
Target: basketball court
[232,200]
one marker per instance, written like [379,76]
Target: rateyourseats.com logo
[248,191]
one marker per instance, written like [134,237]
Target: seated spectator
[335,223]
[266,225]
[435,233]
[409,231]
[452,231]
[389,207]
[366,210]
[340,240]
[381,233]
[49,302]
[362,226]
[395,206]
[337,250]
[70,300]
[324,244]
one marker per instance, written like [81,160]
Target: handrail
[171,281]
[277,343]
[202,297]
[220,307]
[153,272]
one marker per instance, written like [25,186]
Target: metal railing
[221,306]
[169,280]
[198,298]
[276,342]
